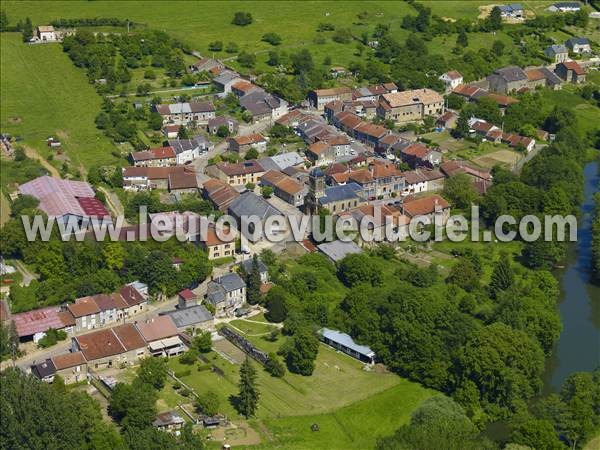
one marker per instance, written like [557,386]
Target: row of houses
[514,79]
[177,179]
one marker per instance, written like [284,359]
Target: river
[578,348]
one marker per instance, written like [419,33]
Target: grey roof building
[185,145]
[338,250]
[281,161]
[190,317]
[343,342]
[340,192]
[260,103]
[250,204]
[219,290]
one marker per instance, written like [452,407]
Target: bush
[272,38]
[274,366]
[183,373]
[208,403]
[189,357]
[204,367]
[242,19]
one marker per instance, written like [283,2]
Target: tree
[252,153]
[462,40]
[114,255]
[155,121]
[274,366]
[183,133]
[505,365]
[359,268]
[3,20]
[190,357]
[462,126]
[232,47]
[52,337]
[464,275]
[535,433]
[208,403]
[202,341]
[272,38]
[276,303]
[247,400]
[153,371]
[253,282]
[133,405]
[223,131]
[498,48]
[495,19]
[502,277]
[301,352]
[27,30]
[267,191]
[460,191]
[13,341]
[242,19]
[215,46]
[246,59]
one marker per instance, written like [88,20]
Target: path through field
[33,154]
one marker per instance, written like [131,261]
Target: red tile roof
[68,360]
[99,344]
[187,294]
[131,295]
[84,306]
[249,139]
[129,336]
[160,327]
[574,66]
[424,206]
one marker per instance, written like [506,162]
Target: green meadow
[44,94]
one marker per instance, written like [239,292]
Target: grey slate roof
[338,250]
[247,265]
[187,317]
[557,48]
[260,102]
[250,204]
[217,289]
[577,41]
[512,73]
[550,76]
[44,369]
[338,193]
[182,145]
[345,340]
[281,162]
[225,77]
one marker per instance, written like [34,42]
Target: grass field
[351,406]
[44,94]
[568,97]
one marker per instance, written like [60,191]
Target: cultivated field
[506,158]
[44,94]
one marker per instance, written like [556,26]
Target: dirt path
[4,209]
[33,154]
[114,203]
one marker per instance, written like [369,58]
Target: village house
[225,80]
[86,313]
[566,7]
[336,199]
[226,293]
[372,93]
[508,79]
[263,105]
[410,106]
[155,157]
[237,174]
[571,72]
[376,218]
[187,150]
[162,336]
[71,367]
[379,180]
[251,206]
[243,87]
[247,264]
[535,78]
[148,178]
[101,349]
[135,297]
[219,193]
[191,319]
[557,53]
[422,180]
[447,120]
[186,298]
[433,207]
[512,11]
[285,187]
[221,121]
[169,422]
[241,144]
[46,33]
[282,161]
[320,97]
[171,131]
[216,247]
[320,153]
[578,45]
[206,65]
[338,250]
[189,114]
[183,183]
[451,79]
[417,154]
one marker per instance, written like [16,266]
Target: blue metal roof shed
[346,344]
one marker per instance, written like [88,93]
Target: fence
[244,345]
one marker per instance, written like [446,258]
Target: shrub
[183,373]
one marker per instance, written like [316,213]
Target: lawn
[568,97]
[44,94]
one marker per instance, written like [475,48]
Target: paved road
[519,164]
